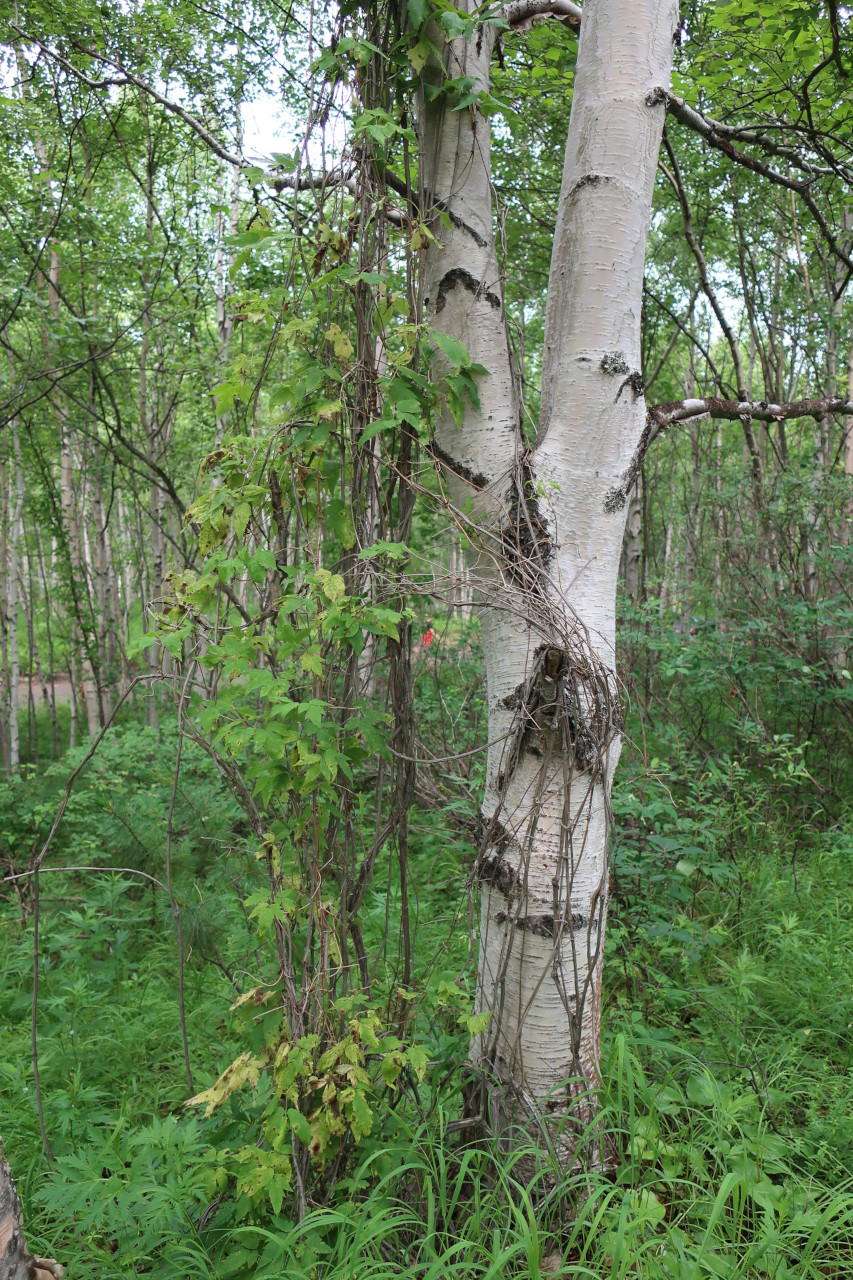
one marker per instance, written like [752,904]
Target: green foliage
[728,1056]
[327,911]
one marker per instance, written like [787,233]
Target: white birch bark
[12,594]
[16,1261]
[548,535]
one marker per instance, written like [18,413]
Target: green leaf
[300,1125]
[393,550]
[418,11]
[240,518]
[454,350]
[373,428]
[362,1115]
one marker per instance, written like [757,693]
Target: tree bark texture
[16,1261]
[546,528]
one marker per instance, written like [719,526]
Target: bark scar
[474,478]
[455,219]
[527,543]
[498,873]
[588,180]
[542,926]
[614,363]
[458,275]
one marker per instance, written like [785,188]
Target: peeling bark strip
[459,275]
[16,1261]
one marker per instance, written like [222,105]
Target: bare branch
[736,410]
[674,179]
[126,77]
[718,135]
[699,123]
[521,14]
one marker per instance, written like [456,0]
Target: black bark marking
[588,180]
[550,710]
[635,382]
[454,218]
[475,478]
[542,925]
[527,544]
[458,275]
[614,363]
[492,834]
[500,875]
[615,498]
[657,96]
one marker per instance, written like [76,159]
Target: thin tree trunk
[12,596]
[16,1261]
[5,671]
[55,746]
[147,419]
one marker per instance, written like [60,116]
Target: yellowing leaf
[244,1070]
[362,1121]
[331,584]
[418,55]
[339,340]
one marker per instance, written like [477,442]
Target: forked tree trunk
[547,526]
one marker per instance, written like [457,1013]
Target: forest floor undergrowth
[727,1102]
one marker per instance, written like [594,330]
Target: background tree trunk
[16,1261]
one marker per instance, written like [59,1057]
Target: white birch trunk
[16,1261]
[12,590]
[548,536]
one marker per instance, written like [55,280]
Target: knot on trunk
[567,707]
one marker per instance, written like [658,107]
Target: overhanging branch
[736,410]
[521,14]
[125,78]
[719,136]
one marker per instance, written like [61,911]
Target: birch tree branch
[521,14]
[704,125]
[735,410]
[719,135]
